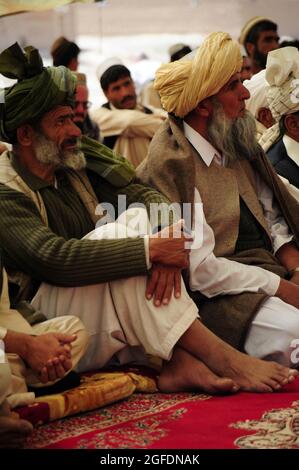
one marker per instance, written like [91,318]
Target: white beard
[234,139]
[48,153]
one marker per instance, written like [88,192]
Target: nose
[125,91]
[245,93]
[79,108]
[75,131]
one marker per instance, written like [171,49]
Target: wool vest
[222,207]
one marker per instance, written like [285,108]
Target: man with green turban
[52,193]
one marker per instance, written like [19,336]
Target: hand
[49,355]
[171,246]
[161,282]
[288,292]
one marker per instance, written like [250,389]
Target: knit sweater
[54,253]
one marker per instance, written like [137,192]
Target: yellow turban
[185,83]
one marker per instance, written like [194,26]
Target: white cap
[106,64]
[257,87]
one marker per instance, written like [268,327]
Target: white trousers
[118,317]
[274,333]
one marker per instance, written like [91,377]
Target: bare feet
[252,374]
[13,431]
[249,373]
[185,373]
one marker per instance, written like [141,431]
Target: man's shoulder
[277,152]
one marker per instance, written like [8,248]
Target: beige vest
[80,183]
[221,207]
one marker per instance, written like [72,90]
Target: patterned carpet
[181,421]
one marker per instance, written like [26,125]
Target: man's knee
[76,327]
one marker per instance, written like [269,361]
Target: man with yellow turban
[50,188]
[246,224]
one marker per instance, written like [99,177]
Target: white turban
[185,83]
[257,86]
[282,75]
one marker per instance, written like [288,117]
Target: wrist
[15,343]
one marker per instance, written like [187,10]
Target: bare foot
[184,373]
[13,431]
[249,373]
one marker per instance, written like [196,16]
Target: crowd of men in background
[185,131]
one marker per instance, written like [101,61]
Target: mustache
[70,141]
[127,98]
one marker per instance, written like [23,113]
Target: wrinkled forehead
[56,113]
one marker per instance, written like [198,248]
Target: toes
[224,385]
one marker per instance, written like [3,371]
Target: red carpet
[181,421]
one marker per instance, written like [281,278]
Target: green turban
[38,90]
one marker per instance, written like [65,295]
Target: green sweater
[55,254]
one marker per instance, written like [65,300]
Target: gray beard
[236,139]
[48,153]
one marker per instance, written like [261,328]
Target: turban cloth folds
[282,75]
[185,83]
[38,89]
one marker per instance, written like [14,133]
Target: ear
[291,122]
[204,109]
[25,135]
[265,117]
[249,46]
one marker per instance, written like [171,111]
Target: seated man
[31,356]
[82,118]
[281,141]
[257,103]
[259,37]
[126,127]
[49,199]
[206,154]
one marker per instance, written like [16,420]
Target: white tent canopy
[7,7]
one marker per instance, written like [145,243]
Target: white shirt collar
[292,148]
[202,146]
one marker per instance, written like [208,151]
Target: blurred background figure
[148,95]
[289,42]
[177,51]
[246,70]
[65,52]
[281,141]
[126,126]
[257,104]
[259,36]
[81,118]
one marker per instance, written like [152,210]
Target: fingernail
[148,296]
[157,303]
[165,301]
[177,295]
